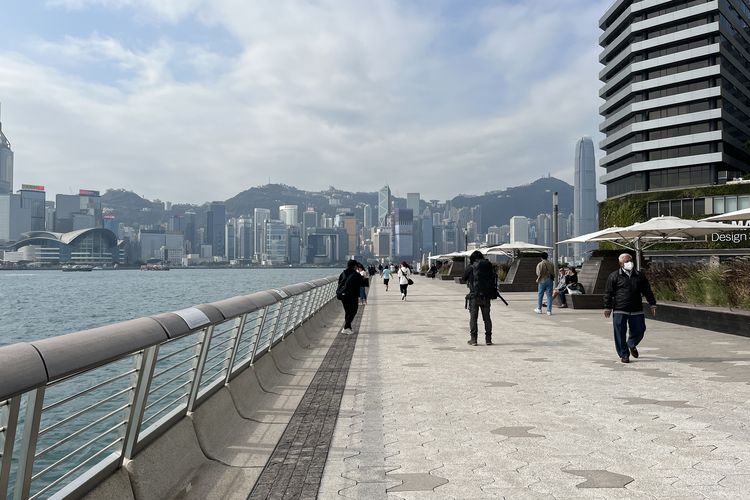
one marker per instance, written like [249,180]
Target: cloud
[318,93]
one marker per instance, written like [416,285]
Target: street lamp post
[555,233]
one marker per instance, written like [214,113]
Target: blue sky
[196,100]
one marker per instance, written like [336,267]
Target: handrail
[105,386]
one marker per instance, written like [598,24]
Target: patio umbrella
[660,229]
[743,214]
[520,245]
[586,238]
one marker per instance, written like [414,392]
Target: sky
[197,100]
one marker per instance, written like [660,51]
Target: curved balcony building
[677,94]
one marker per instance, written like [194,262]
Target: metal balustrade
[74,407]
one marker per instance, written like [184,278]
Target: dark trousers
[403,288]
[621,323]
[350,311]
[475,305]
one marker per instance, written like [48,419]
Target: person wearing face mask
[623,301]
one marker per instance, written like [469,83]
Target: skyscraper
[585,207]
[33,198]
[403,234]
[412,202]
[6,163]
[260,216]
[519,229]
[384,205]
[289,214]
[216,219]
[245,239]
[367,216]
[675,91]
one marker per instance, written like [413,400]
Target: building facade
[289,214]
[6,163]
[384,205]
[677,99]
[585,207]
[403,234]
[519,229]
[260,216]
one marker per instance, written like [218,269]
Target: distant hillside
[529,201]
[497,206]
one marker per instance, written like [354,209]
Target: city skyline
[183,101]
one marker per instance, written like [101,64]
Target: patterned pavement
[548,412]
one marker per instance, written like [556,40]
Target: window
[718,205]
[743,202]
[730,204]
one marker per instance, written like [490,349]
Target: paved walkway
[547,412]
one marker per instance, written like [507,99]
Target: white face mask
[628,266]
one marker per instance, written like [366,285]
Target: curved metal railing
[74,407]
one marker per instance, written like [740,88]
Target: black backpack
[485,280]
[343,284]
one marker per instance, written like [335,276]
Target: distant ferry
[77,267]
[155,267]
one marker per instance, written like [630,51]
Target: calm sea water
[41,304]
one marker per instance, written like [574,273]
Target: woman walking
[403,279]
[365,284]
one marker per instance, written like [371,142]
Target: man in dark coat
[350,281]
[623,297]
[477,302]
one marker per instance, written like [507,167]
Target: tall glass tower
[384,205]
[6,163]
[585,207]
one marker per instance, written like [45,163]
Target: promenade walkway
[547,412]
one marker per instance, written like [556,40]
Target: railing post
[275,324]
[199,365]
[145,364]
[238,331]
[33,417]
[260,333]
[9,436]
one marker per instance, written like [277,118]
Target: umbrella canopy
[743,214]
[586,238]
[520,245]
[660,229]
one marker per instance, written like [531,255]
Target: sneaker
[488,341]
[403,297]
[472,342]
[549,313]
[348,331]
[538,311]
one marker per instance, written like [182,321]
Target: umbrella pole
[638,253]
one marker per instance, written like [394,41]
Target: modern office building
[34,199]
[230,239]
[585,206]
[190,231]
[216,219]
[544,230]
[260,216]
[367,216]
[244,236]
[519,229]
[412,202]
[14,218]
[677,102]
[403,234]
[384,205]
[6,163]
[277,243]
[74,212]
[381,243]
[326,246]
[289,214]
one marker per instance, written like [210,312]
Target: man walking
[350,282]
[481,279]
[623,296]
[545,273]
[386,277]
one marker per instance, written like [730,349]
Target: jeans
[350,311]
[542,287]
[363,293]
[562,294]
[475,305]
[403,288]
[621,322]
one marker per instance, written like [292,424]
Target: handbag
[410,281]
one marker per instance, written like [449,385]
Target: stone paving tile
[418,400]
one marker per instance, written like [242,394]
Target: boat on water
[77,268]
[155,267]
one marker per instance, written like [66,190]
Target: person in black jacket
[350,281]
[623,296]
[477,302]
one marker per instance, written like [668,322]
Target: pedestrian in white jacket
[403,278]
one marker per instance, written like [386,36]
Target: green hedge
[630,209]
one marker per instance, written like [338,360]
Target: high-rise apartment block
[519,229]
[289,214]
[6,163]
[585,207]
[676,94]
